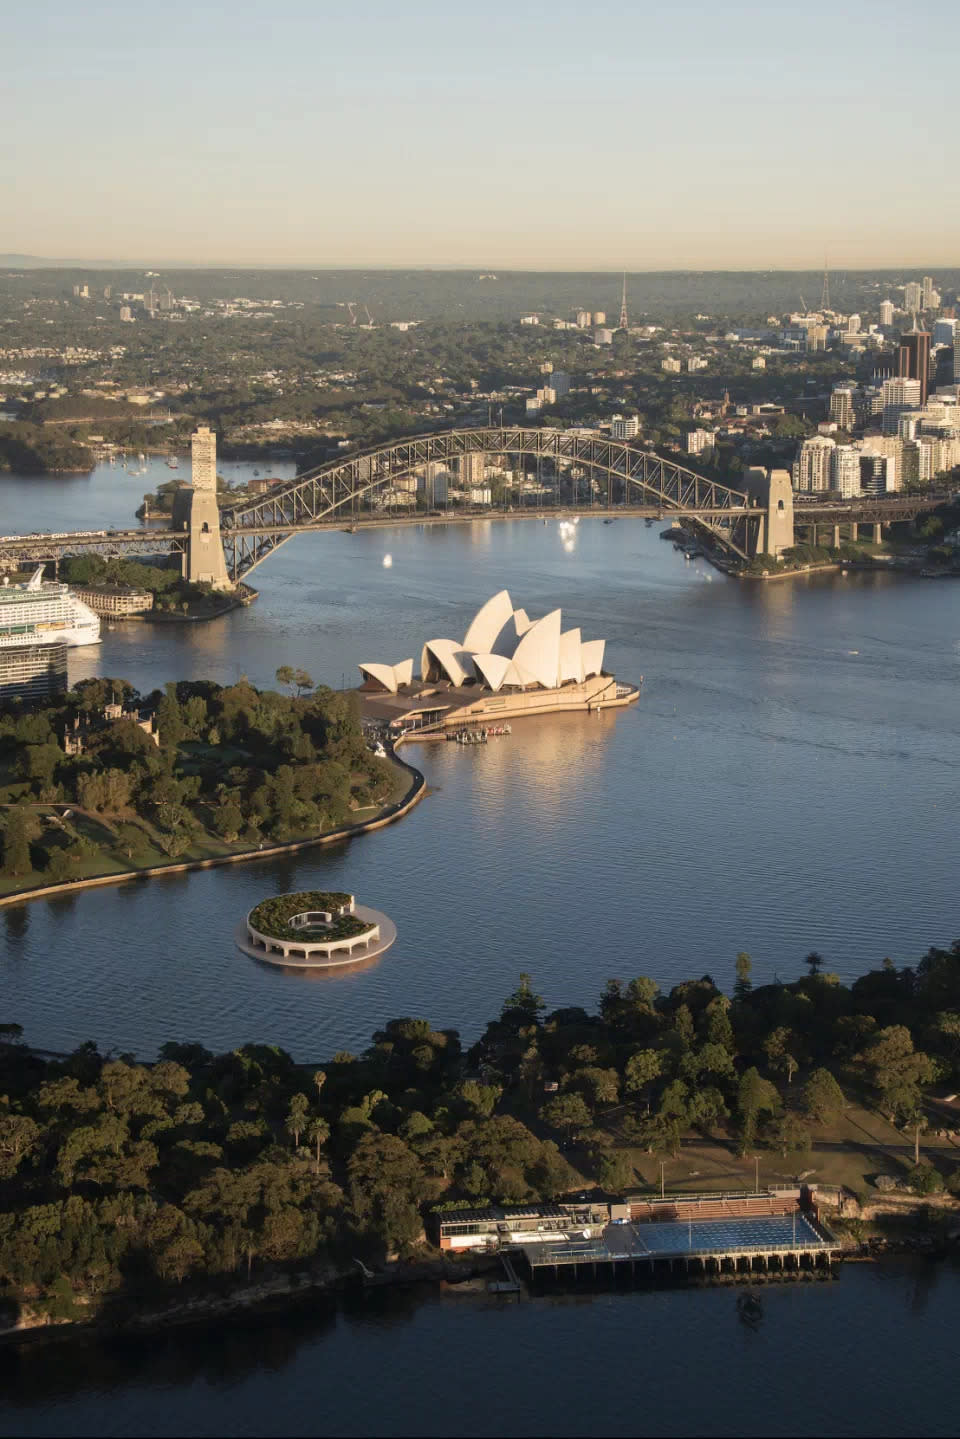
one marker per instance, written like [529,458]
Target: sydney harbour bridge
[354,491]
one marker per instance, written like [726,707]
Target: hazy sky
[544,135]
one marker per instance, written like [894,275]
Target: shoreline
[389,815]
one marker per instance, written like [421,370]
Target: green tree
[822,1096]
[566,1112]
[20,828]
[756,1097]
[641,1069]
[297,1117]
[744,983]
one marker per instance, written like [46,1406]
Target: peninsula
[190,1181]
[107,783]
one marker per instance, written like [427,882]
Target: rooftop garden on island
[272,916]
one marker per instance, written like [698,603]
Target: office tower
[912,297]
[914,359]
[943,332]
[107,292]
[878,474]
[886,312]
[560,383]
[811,469]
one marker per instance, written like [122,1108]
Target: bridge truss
[346,489]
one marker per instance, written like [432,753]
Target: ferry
[45,613]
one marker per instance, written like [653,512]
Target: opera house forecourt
[507,667]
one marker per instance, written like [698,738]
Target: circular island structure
[314,929]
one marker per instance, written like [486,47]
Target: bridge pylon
[772,490]
[203,559]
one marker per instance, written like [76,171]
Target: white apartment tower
[842,406]
[845,471]
[898,396]
[886,312]
[811,469]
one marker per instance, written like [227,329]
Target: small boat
[750,1309]
[173,463]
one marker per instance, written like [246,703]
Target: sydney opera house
[507,666]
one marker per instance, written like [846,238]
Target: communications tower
[825,292]
[624,323]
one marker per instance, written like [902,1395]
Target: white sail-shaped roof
[571,661]
[492,669]
[538,653]
[521,622]
[592,653]
[390,676]
[449,657]
[487,623]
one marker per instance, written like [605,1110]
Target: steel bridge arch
[252,530]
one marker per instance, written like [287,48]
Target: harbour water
[873,1354]
[789,780]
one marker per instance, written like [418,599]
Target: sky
[560,134]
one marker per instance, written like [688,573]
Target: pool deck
[690,1246]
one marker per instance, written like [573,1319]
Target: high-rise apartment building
[929,299]
[811,469]
[912,297]
[560,383]
[471,469]
[599,317]
[845,471]
[699,440]
[897,396]
[583,319]
[842,408]
[624,427]
[914,359]
[886,312]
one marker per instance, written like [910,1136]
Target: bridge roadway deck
[141,539]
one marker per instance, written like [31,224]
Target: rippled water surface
[788,781]
[871,1355]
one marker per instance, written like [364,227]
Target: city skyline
[429,140]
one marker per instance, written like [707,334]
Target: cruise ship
[45,613]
